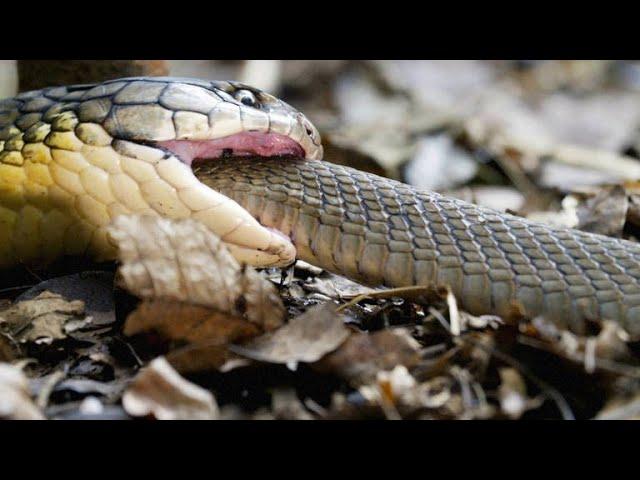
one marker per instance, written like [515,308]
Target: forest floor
[557,142]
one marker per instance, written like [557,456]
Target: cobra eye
[308,128]
[246,98]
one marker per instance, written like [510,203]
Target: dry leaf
[189,323]
[605,213]
[184,261]
[42,320]
[306,338]
[207,331]
[15,401]
[94,288]
[159,390]
[263,305]
[363,355]
[204,357]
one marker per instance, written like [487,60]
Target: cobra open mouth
[238,145]
[248,240]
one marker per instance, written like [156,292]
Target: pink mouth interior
[240,144]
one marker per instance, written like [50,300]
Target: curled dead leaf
[160,391]
[182,260]
[43,319]
[306,338]
[364,355]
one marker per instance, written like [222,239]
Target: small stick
[393,292]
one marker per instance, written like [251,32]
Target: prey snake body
[73,158]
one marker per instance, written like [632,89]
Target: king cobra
[249,167]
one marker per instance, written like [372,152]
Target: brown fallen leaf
[181,260]
[306,338]
[15,401]
[188,323]
[200,357]
[206,331]
[363,355]
[94,288]
[158,390]
[42,320]
[262,304]
[605,212]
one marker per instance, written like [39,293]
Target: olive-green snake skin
[72,158]
[382,232]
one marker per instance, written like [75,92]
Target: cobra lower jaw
[248,240]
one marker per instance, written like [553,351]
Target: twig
[394,292]
[33,274]
[435,313]
[131,350]
[454,314]
[19,287]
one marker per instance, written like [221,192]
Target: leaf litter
[186,332]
